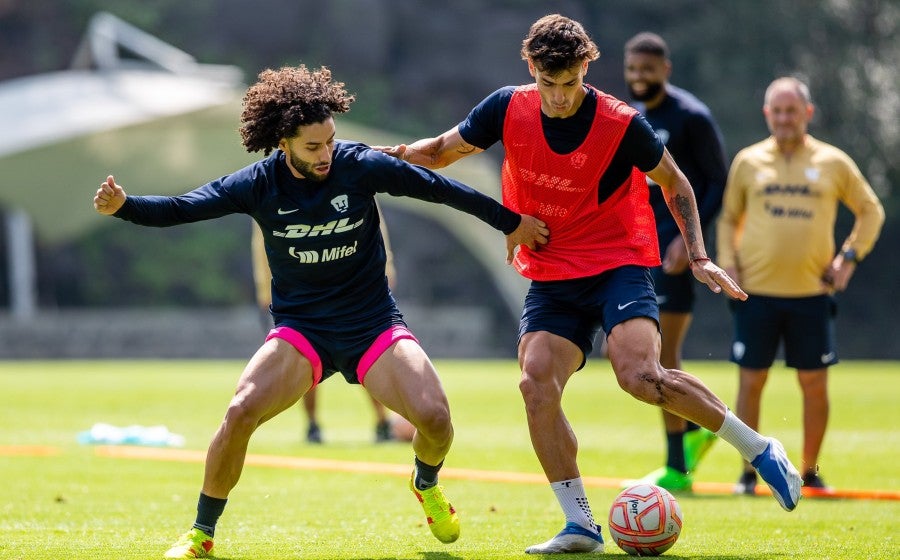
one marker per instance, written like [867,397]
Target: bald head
[789,84]
[788,110]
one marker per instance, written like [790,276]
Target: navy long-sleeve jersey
[322,239]
[686,127]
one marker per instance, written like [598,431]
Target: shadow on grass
[666,556]
[440,556]
[425,556]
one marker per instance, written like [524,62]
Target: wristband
[699,259]
[850,255]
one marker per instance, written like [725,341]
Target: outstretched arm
[110,197]
[681,202]
[400,179]
[433,153]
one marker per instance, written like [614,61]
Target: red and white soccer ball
[645,520]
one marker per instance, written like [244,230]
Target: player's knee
[643,383]
[752,382]
[435,423]
[241,417]
[539,392]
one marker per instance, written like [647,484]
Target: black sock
[208,512]
[691,427]
[426,475]
[675,458]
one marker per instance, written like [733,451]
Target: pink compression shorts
[382,342]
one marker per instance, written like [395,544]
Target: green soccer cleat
[665,477]
[442,518]
[193,544]
[696,444]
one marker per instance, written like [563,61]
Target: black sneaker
[383,432]
[811,479]
[313,433]
[746,484]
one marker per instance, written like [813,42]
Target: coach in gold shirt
[776,238]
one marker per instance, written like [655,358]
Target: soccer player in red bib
[578,159]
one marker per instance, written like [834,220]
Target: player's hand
[733,273]
[717,279]
[676,260]
[531,233]
[397,151]
[837,275]
[109,198]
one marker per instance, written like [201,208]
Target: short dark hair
[285,99]
[556,43]
[647,43]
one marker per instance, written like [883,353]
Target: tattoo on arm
[465,149]
[685,211]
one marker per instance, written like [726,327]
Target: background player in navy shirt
[686,127]
[313,199]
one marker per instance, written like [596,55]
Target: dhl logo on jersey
[306,230]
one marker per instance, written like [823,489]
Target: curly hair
[282,100]
[556,43]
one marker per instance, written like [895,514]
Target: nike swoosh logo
[283,212]
[622,306]
[827,357]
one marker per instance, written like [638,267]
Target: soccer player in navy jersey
[314,200]
[686,127]
[577,158]
[388,426]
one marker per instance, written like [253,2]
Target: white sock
[574,503]
[746,440]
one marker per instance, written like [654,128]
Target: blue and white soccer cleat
[572,539]
[783,479]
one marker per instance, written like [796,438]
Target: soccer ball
[645,520]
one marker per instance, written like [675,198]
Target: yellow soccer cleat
[442,518]
[193,544]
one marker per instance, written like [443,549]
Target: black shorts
[805,324]
[674,292]
[578,309]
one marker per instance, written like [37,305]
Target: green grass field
[78,504]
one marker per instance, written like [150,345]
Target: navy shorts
[674,292]
[349,351]
[805,324]
[578,309]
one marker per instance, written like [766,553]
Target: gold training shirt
[778,216]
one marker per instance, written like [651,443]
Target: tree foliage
[418,67]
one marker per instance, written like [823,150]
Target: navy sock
[691,427]
[208,512]
[426,475]
[675,457]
